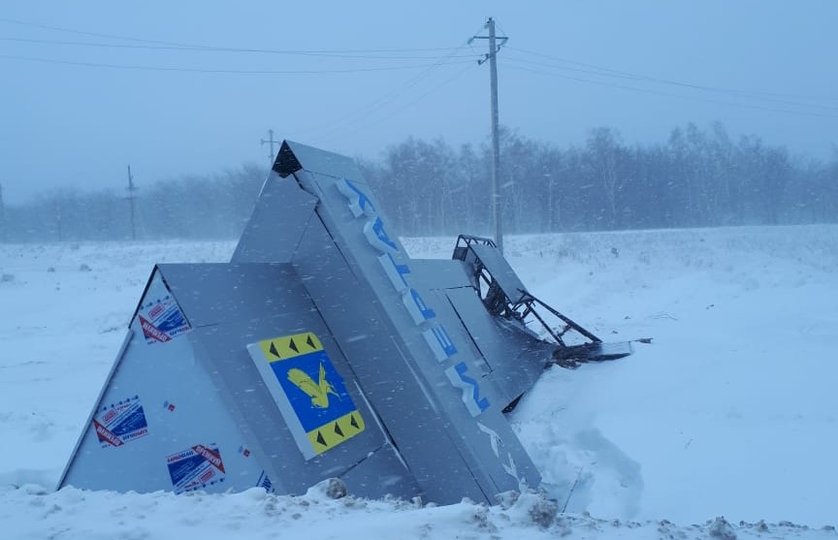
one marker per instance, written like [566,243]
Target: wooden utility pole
[495,43]
[131,189]
[270,141]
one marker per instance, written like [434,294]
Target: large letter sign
[435,334]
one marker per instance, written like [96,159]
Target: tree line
[697,178]
[196,206]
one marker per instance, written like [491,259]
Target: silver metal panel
[277,221]
[215,293]
[463,406]
[405,402]
[317,160]
[262,301]
[181,410]
[515,360]
[439,273]
[461,338]
[506,277]
[200,390]
[493,387]
[382,472]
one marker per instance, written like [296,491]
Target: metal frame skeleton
[506,297]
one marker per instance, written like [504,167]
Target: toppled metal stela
[322,350]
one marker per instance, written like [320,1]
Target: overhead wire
[391,114]
[609,72]
[511,64]
[378,54]
[378,104]
[640,79]
[382,101]
[532,61]
[387,54]
[357,117]
[200,47]
[221,70]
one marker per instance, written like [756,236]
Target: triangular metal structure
[321,350]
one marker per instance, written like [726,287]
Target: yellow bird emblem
[318,391]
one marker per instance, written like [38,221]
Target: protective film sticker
[160,316]
[196,467]
[120,422]
[312,396]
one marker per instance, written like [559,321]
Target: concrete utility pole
[131,189]
[270,141]
[495,43]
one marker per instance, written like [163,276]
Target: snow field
[731,411]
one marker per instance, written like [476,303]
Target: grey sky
[78,125]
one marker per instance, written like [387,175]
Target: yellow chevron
[283,348]
[327,437]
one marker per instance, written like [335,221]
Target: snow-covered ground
[731,411]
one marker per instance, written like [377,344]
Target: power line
[608,72]
[386,54]
[378,104]
[135,67]
[192,46]
[367,121]
[451,53]
[378,54]
[730,93]
[371,123]
[91,34]
[512,65]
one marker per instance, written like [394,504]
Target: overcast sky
[68,117]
